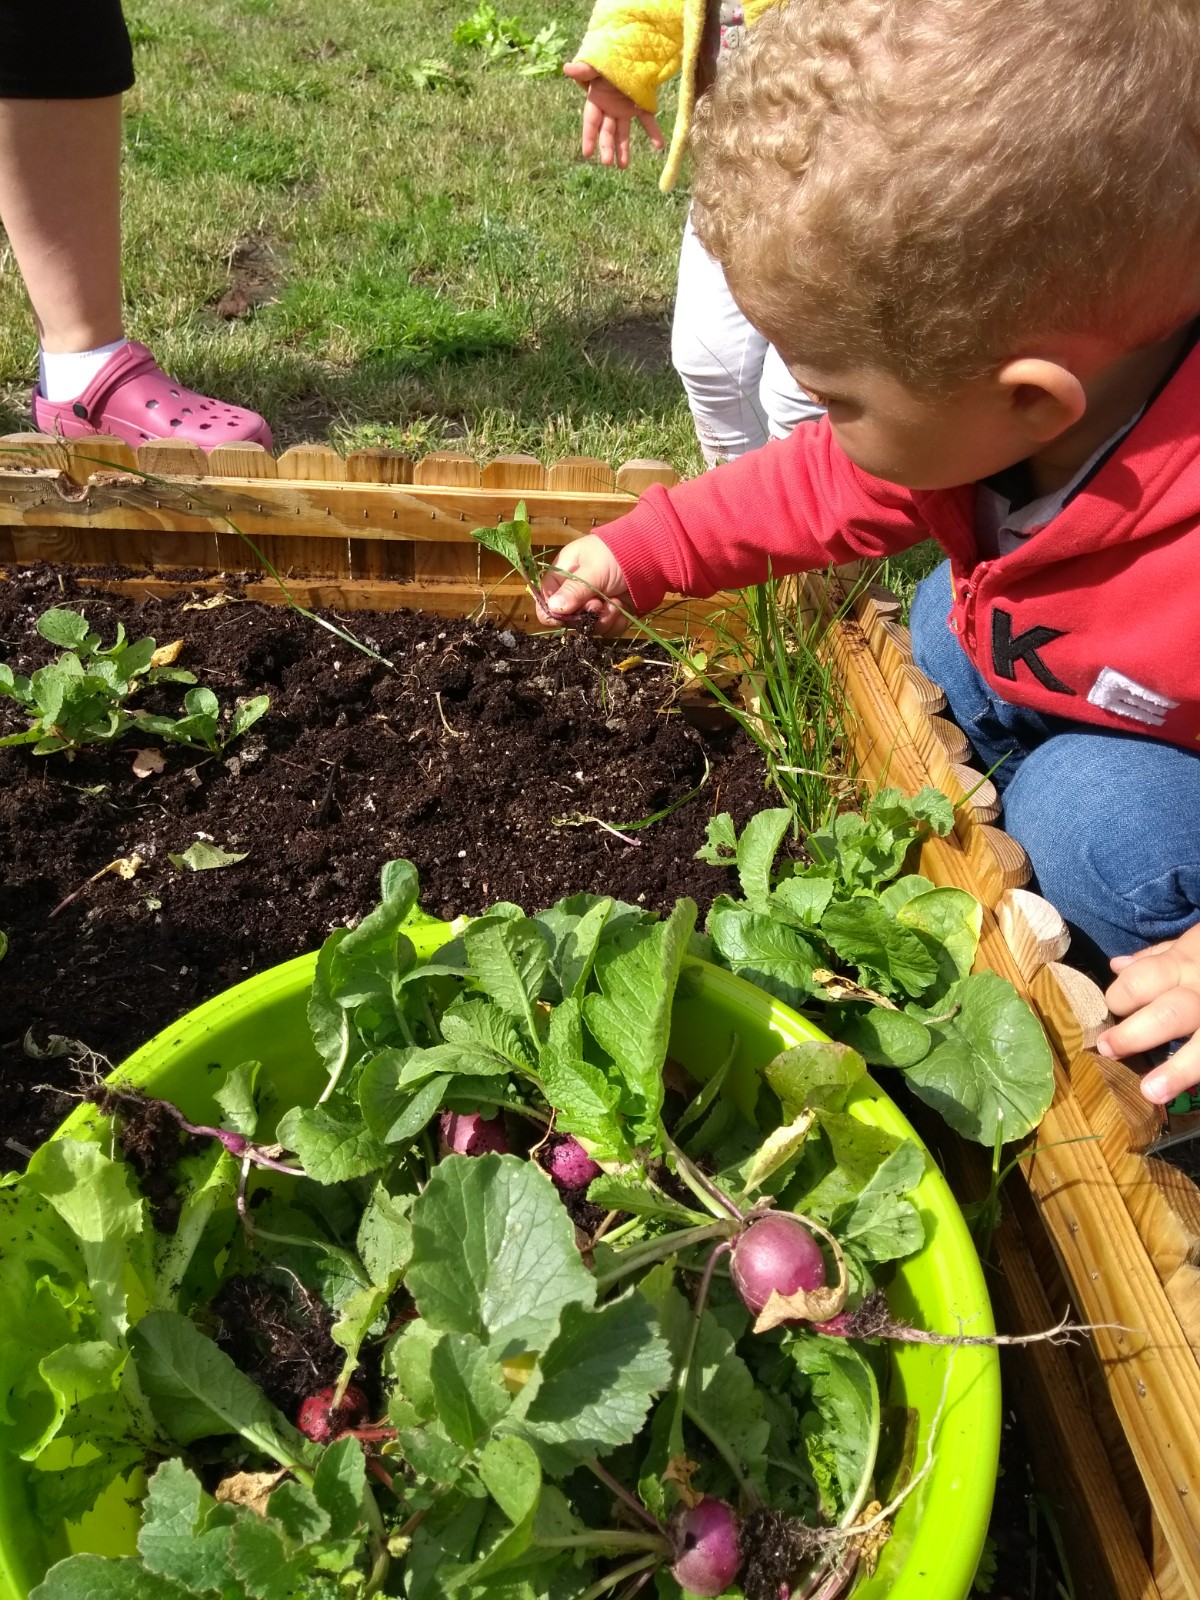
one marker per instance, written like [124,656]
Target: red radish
[470,1133]
[569,1164]
[321,1421]
[839,1327]
[776,1253]
[707,1552]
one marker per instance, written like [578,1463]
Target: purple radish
[569,1164]
[707,1552]
[776,1254]
[470,1133]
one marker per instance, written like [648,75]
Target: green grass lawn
[444,271]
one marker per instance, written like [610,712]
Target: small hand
[608,114]
[1157,992]
[597,586]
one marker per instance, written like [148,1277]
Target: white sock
[62,377]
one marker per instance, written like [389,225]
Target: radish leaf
[494,1254]
[989,1072]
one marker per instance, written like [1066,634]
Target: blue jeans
[1110,821]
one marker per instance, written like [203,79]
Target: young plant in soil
[882,961]
[514,541]
[591,1332]
[82,698]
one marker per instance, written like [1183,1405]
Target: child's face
[915,440]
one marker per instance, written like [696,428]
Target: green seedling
[514,541]
[201,728]
[83,697]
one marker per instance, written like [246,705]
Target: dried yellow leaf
[166,653]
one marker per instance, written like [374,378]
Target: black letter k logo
[1007,651]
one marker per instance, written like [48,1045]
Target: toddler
[972,230]
[738,388]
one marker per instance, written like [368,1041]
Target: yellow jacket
[639,44]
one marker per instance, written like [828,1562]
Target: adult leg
[62,71]
[783,401]
[60,201]
[1111,824]
[718,357]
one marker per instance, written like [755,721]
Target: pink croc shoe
[132,397]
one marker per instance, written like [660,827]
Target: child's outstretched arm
[792,506]
[1157,992]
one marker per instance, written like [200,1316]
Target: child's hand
[597,587]
[608,115]
[1157,991]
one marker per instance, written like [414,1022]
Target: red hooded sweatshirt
[1096,617]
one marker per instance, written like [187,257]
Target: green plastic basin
[938,1531]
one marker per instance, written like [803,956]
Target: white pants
[739,390]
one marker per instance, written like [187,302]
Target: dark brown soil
[278,1334]
[152,1141]
[459,759]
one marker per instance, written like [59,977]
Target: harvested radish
[569,1164]
[321,1420]
[707,1551]
[776,1254]
[470,1133]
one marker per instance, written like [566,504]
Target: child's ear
[1044,398]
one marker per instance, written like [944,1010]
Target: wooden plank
[1114,1104]
[171,458]
[425,511]
[243,460]
[97,453]
[1072,1461]
[925,695]
[581,475]
[637,475]
[514,473]
[1183,1291]
[379,466]
[1148,1364]
[311,463]
[507,602]
[1183,1199]
[22,451]
[448,467]
[380,558]
[317,558]
[978,792]
[1033,930]
[1071,1007]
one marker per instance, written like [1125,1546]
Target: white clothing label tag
[1113,691]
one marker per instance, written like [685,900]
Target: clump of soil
[775,1547]
[152,1142]
[475,757]
[278,1334]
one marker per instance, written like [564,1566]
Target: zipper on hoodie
[968,593]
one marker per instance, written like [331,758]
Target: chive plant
[797,713]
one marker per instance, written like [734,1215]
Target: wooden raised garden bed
[1115,1422]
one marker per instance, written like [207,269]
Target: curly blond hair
[929,187]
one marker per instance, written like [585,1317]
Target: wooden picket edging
[342,532]
[1115,1424]
[1124,1228]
